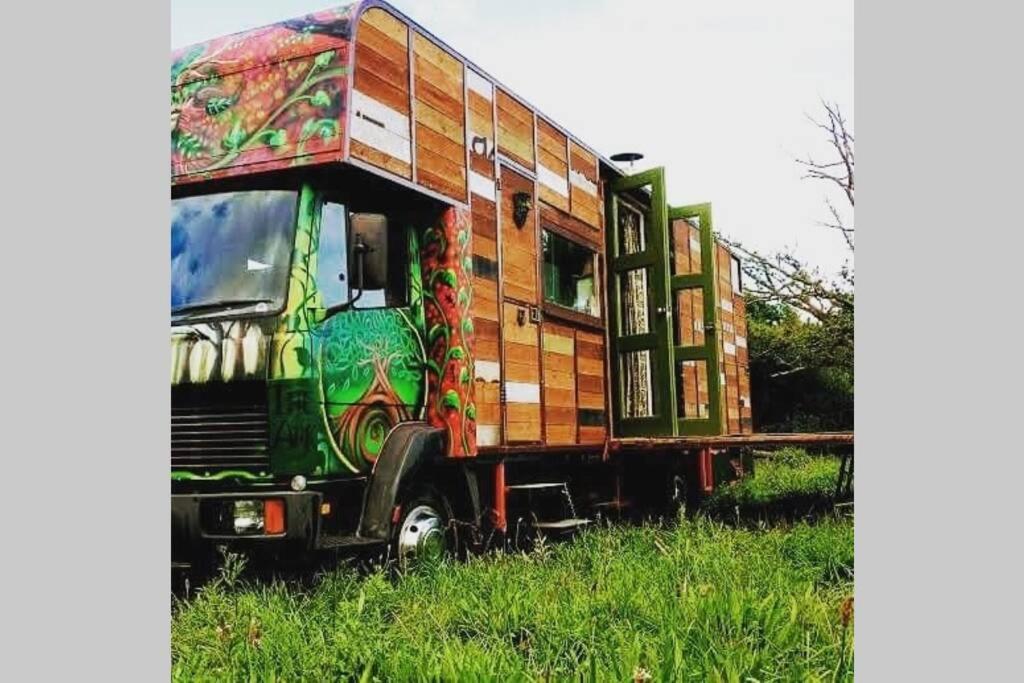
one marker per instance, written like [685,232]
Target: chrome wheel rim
[421,536]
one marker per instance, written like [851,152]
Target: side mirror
[368,254]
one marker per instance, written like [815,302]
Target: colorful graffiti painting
[447,265]
[270,98]
[219,351]
[372,377]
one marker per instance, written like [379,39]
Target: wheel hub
[422,535]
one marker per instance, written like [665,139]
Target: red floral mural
[264,99]
[447,263]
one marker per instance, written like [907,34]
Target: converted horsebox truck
[412,313]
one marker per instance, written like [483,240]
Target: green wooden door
[643,401]
[691,264]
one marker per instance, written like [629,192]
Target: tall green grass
[696,602]
[788,478]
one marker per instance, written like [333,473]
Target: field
[704,599]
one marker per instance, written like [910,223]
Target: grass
[697,601]
[789,483]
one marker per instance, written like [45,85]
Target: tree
[800,321]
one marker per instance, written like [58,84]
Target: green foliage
[698,602]
[217,105]
[791,472]
[801,371]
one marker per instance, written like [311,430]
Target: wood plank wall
[590,383]
[519,245]
[521,341]
[559,384]
[380,132]
[440,119]
[515,130]
[419,112]
[734,372]
[553,165]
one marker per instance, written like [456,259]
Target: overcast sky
[717,92]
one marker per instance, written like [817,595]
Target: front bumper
[197,522]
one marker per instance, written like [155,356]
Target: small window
[737,276]
[570,275]
[333,278]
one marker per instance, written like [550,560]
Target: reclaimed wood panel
[590,387]
[686,248]
[559,344]
[584,196]
[521,370]
[518,245]
[694,380]
[440,114]
[515,129]
[381,133]
[552,165]
[480,106]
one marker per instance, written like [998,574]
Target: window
[570,275]
[737,276]
[332,271]
[231,250]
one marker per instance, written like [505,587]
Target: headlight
[248,516]
[298,483]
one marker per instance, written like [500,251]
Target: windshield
[231,249]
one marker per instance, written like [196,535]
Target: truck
[411,313]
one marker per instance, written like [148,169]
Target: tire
[422,534]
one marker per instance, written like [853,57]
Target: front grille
[219,427]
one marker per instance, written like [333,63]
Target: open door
[644,398]
[697,382]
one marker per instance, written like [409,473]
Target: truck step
[536,485]
[612,504]
[562,524]
[348,542]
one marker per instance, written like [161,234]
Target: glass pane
[632,231]
[634,298]
[333,278]
[689,305]
[331,264]
[737,276]
[638,393]
[685,248]
[570,274]
[693,380]
[231,249]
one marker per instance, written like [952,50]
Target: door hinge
[497,183]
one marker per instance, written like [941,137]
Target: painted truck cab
[274,373]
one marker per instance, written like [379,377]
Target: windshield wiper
[220,303]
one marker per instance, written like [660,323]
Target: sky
[716,92]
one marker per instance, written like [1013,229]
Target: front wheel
[421,534]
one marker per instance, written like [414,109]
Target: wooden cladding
[419,112]
[439,88]
[515,130]
[733,364]
[481,126]
[590,386]
[553,165]
[686,248]
[518,245]
[380,133]
[559,384]
[521,341]
[584,195]
[486,322]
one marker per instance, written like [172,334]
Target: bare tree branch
[782,277]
